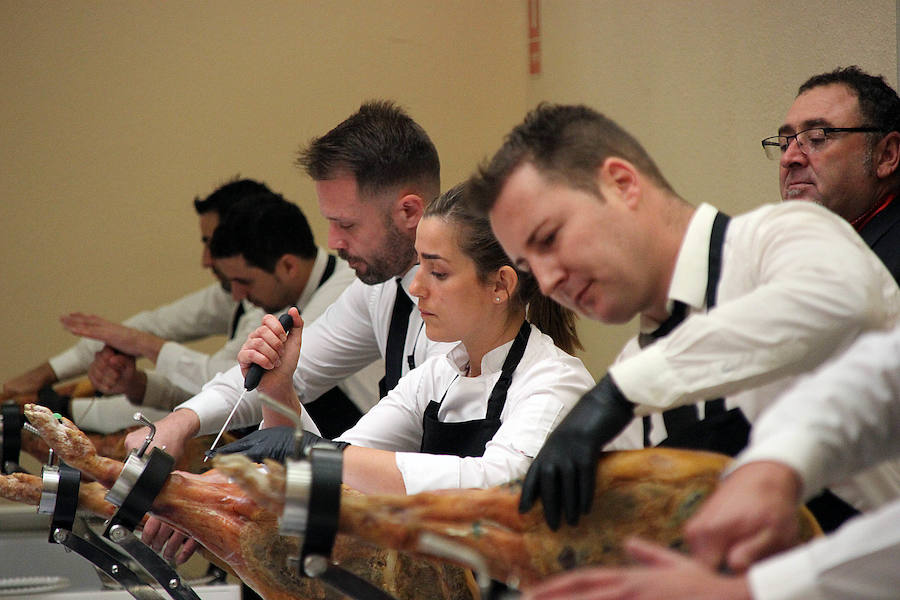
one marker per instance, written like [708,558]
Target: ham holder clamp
[311,508]
[133,493]
[59,498]
[11,421]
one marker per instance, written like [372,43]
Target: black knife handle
[255,373]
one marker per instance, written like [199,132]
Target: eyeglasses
[809,141]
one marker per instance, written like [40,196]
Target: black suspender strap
[238,313]
[329,270]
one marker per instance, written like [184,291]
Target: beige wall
[115,115]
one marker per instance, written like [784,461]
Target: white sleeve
[395,423]
[335,345]
[190,369]
[813,288]
[197,315]
[339,343]
[858,561]
[838,421]
[217,398]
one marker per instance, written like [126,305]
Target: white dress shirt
[545,386]
[347,337]
[857,562]
[836,422]
[797,287]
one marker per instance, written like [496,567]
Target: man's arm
[857,561]
[124,339]
[172,432]
[202,313]
[30,381]
[840,420]
[809,289]
[190,369]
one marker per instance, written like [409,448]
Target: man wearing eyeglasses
[839,146]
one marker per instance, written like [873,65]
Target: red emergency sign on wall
[534,37]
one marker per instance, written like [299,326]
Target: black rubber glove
[564,471]
[276,443]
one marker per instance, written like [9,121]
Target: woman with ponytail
[477,416]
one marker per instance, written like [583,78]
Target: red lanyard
[862,220]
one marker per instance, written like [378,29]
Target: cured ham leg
[112,445]
[244,534]
[25,488]
[650,493]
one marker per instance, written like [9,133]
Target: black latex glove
[276,443]
[563,473]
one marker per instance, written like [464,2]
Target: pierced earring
[497,299]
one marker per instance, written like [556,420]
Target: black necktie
[393,353]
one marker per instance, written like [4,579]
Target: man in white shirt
[158,334]
[838,421]
[373,173]
[731,310]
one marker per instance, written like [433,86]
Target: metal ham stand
[133,492]
[311,507]
[11,422]
[59,498]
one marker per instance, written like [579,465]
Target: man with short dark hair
[732,309]
[373,174]
[109,358]
[839,146]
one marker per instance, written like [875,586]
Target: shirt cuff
[790,575]
[794,448]
[646,380]
[425,472]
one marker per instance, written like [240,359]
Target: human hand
[752,514]
[277,443]
[114,373]
[174,546]
[661,573]
[172,433]
[30,381]
[563,473]
[276,349]
[124,339]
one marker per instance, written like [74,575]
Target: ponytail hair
[477,241]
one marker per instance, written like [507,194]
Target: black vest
[469,438]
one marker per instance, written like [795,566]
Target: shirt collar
[492,362]
[689,279]
[406,281]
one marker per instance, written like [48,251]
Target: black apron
[727,432]
[721,431]
[469,438]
